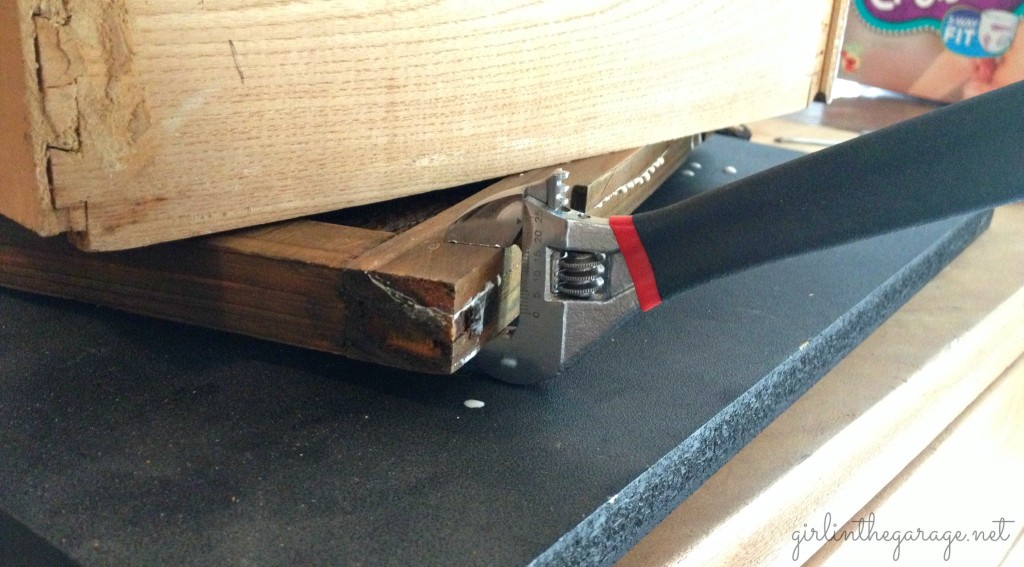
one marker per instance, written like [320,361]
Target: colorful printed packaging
[941,50]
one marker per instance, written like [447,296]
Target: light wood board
[967,481]
[153,121]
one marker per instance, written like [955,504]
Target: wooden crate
[129,122]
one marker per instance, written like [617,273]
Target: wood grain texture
[24,136]
[180,118]
[1016,554]
[410,300]
[966,480]
[860,426]
[832,51]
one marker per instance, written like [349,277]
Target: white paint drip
[407,303]
[467,358]
[479,301]
[635,182]
[473,404]
[433,314]
[478,298]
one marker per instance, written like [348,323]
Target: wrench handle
[954,160]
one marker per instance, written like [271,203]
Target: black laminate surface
[131,441]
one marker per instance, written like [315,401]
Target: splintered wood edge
[24,183]
[622,188]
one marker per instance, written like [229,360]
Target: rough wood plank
[24,136]
[411,300]
[221,284]
[853,432]
[181,118]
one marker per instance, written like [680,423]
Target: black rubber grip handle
[957,159]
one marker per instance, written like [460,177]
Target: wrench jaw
[557,321]
[537,350]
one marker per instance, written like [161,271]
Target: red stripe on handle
[636,261]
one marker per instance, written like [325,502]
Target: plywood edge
[26,136]
[822,87]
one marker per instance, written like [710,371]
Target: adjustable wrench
[582,276]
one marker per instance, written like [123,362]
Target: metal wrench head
[557,320]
